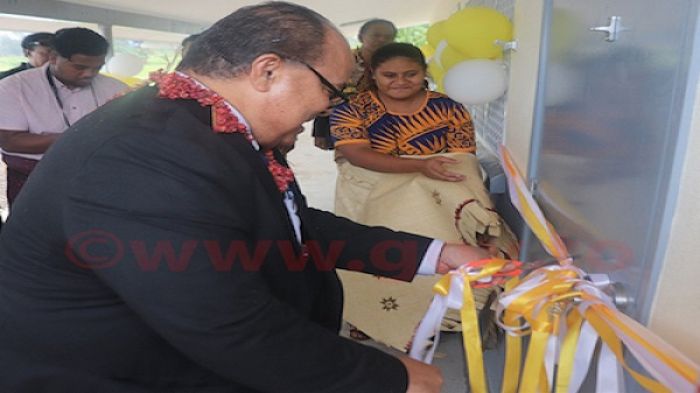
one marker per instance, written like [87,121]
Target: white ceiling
[347,14]
[30,24]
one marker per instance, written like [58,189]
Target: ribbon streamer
[564,311]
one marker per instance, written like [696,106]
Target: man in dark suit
[162,246]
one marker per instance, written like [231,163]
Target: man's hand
[435,168]
[422,378]
[453,256]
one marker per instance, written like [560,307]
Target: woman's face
[376,36]
[400,78]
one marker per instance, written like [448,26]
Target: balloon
[475,82]
[131,81]
[427,50]
[440,88]
[450,57]
[435,33]
[125,64]
[473,30]
[435,72]
[438,52]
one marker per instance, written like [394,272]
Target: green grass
[8,62]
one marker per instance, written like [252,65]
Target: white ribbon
[584,355]
[429,326]
[656,368]
[609,374]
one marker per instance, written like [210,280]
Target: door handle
[616,290]
[612,30]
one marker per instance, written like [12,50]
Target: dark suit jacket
[114,275]
[12,71]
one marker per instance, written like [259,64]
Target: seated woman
[408,163]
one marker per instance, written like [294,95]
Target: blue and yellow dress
[455,212]
[439,125]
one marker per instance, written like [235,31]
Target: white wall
[676,309]
[527,21]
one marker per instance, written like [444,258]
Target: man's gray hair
[228,47]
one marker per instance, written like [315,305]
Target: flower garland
[175,86]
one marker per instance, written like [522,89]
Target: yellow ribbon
[568,351]
[558,286]
[613,342]
[529,210]
[470,322]
[627,325]
[541,306]
[511,371]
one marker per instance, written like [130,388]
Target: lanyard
[58,98]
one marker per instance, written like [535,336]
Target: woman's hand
[434,168]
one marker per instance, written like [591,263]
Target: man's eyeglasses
[336,94]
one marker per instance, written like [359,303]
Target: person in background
[36,48]
[190,164]
[37,105]
[394,172]
[185,45]
[372,35]
[401,117]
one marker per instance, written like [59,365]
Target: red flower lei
[176,86]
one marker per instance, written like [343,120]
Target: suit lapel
[256,161]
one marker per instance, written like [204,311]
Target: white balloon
[438,52]
[474,82]
[125,64]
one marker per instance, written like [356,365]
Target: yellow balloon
[450,57]
[473,30]
[440,88]
[436,33]
[436,72]
[428,51]
[130,81]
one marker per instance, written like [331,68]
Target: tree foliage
[415,35]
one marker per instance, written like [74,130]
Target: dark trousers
[18,170]
[322,133]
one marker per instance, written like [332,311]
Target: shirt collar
[62,85]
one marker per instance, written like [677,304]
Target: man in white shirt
[37,105]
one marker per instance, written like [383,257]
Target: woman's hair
[372,22]
[397,49]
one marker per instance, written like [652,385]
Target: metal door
[610,114]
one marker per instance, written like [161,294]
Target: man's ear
[53,56]
[265,70]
